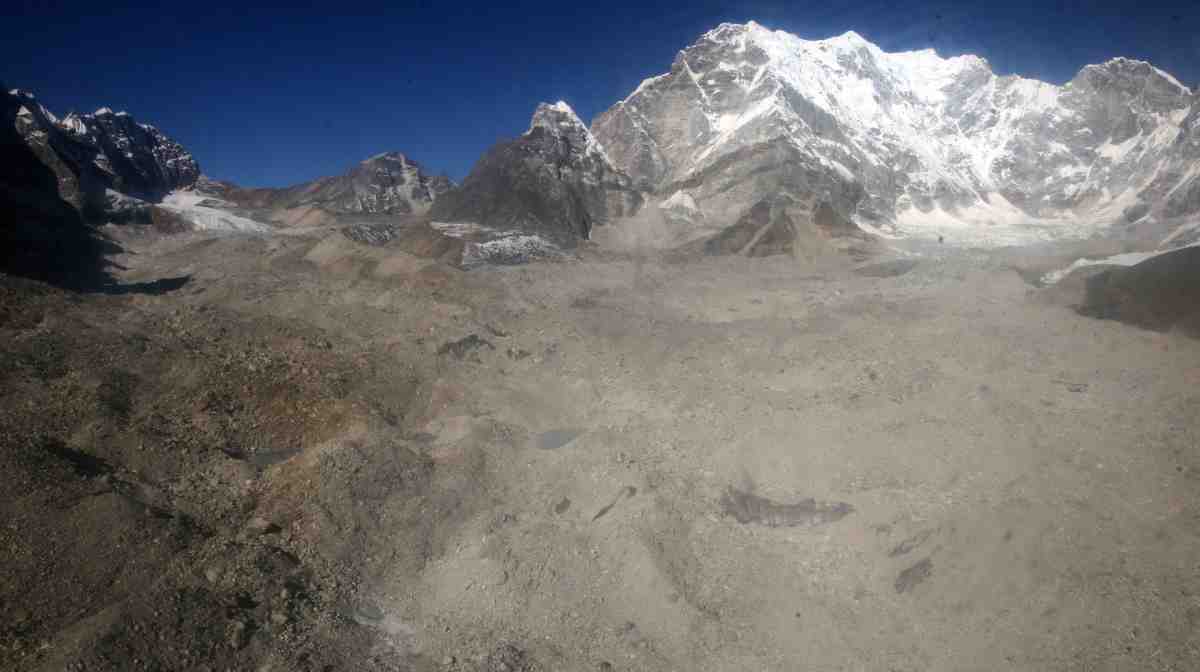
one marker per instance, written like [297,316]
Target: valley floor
[634,464]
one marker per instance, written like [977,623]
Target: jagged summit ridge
[554,181]
[934,142]
[93,154]
[143,161]
[388,183]
[560,120]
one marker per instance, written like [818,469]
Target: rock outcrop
[105,161]
[388,183]
[554,181]
[42,231]
[1160,293]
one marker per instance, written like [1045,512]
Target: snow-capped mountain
[79,181]
[141,159]
[838,130]
[554,181]
[905,143]
[102,158]
[561,122]
[1175,187]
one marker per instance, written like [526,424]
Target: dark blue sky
[274,96]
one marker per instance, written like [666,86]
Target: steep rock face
[761,232]
[138,159]
[554,181]
[42,233]
[1174,192]
[1160,293]
[386,183]
[96,155]
[80,181]
[911,143]
[781,225]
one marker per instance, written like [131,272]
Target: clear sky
[274,96]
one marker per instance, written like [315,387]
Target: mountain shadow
[44,237]
[1160,294]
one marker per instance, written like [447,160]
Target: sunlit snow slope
[904,143]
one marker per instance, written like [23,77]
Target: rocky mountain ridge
[554,181]
[906,143]
[387,183]
[901,144]
[94,154]
[142,160]
[108,167]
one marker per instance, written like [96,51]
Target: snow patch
[564,118]
[841,169]
[1167,76]
[957,130]
[509,250]
[75,125]
[646,83]
[729,124]
[1116,153]
[209,216]
[1127,259]
[489,246]
[1180,231]
[680,200]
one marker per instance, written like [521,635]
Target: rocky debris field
[332,451]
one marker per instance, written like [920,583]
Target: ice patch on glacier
[205,213]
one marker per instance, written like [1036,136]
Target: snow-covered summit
[387,156]
[128,158]
[30,108]
[105,164]
[562,106]
[554,181]
[559,119]
[906,141]
[554,116]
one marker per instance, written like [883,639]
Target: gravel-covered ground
[301,452]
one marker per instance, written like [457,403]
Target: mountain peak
[730,28]
[850,37]
[1123,63]
[387,156]
[554,181]
[107,153]
[1132,72]
[389,182]
[560,121]
[555,117]
[908,140]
